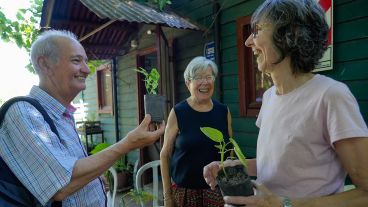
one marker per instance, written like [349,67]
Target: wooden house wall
[127,97]
[191,45]
[244,128]
[89,98]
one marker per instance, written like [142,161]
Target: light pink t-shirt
[295,152]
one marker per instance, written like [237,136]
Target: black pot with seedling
[154,104]
[232,180]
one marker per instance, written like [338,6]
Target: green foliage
[150,79]
[23,31]
[94,64]
[218,137]
[119,165]
[238,152]
[100,147]
[137,196]
[161,4]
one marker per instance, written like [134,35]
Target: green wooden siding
[89,97]
[127,98]
[192,44]
[187,47]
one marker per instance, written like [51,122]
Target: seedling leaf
[238,152]
[213,134]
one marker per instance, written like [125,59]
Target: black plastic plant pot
[155,106]
[235,182]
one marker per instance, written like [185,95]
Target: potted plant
[136,196]
[124,170]
[124,174]
[232,180]
[153,103]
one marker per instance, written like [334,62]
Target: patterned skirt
[185,197]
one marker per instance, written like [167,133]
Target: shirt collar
[69,111]
[48,102]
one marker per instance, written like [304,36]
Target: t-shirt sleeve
[34,153]
[344,119]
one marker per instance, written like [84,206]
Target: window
[252,83]
[104,87]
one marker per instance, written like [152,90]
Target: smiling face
[262,46]
[201,86]
[66,77]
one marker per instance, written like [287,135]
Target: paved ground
[129,202]
[148,188]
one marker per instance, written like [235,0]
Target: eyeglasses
[200,79]
[258,27]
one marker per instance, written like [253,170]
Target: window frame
[247,83]
[103,108]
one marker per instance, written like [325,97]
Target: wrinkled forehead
[260,20]
[69,46]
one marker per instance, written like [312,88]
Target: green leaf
[94,64]
[213,134]
[100,147]
[150,79]
[22,31]
[20,16]
[218,146]
[142,70]
[30,68]
[238,152]
[23,11]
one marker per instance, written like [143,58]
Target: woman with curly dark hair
[311,131]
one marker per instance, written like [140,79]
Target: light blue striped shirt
[42,161]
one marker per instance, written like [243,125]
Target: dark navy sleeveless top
[192,149]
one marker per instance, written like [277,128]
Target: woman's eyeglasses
[258,27]
[200,79]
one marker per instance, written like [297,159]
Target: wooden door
[167,80]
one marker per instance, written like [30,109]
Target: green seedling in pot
[150,79]
[217,136]
[232,180]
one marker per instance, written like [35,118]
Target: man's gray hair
[46,45]
[197,65]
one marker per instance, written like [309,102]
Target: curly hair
[300,31]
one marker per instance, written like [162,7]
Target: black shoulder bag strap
[12,191]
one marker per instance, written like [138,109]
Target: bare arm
[353,154]
[170,135]
[89,168]
[252,167]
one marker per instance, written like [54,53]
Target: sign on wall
[209,50]
[326,62]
